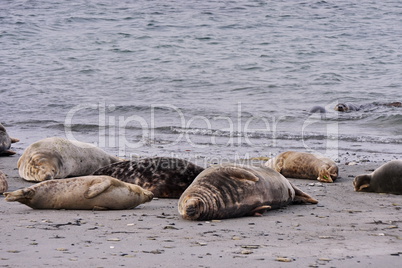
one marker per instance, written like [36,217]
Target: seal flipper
[19,195]
[258,211]
[14,140]
[8,152]
[240,174]
[302,197]
[362,182]
[97,208]
[97,188]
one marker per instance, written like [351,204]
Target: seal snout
[192,209]
[341,107]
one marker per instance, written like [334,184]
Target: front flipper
[258,211]
[240,173]
[97,187]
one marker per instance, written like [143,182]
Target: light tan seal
[88,192]
[58,158]
[233,190]
[5,142]
[304,166]
[3,183]
[385,179]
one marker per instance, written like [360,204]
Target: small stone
[283,259]
[251,246]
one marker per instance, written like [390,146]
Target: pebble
[283,259]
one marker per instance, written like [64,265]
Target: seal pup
[88,192]
[3,183]
[5,142]
[304,166]
[165,177]
[58,158]
[385,179]
[234,190]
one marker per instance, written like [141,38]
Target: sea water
[207,80]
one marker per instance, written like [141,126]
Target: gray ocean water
[204,79]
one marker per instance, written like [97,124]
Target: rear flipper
[19,195]
[8,152]
[301,197]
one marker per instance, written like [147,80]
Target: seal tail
[302,197]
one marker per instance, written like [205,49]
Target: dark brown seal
[301,165]
[88,192]
[385,179]
[164,176]
[5,142]
[233,190]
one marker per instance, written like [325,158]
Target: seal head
[41,166]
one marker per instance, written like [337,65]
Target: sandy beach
[346,229]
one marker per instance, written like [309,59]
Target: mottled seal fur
[88,192]
[349,107]
[163,176]
[3,183]
[234,190]
[385,179]
[58,158]
[5,142]
[304,166]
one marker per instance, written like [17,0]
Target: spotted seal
[3,183]
[5,142]
[58,158]
[234,190]
[304,166]
[164,176]
[385,179]
[88,192]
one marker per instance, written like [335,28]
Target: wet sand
[346,229]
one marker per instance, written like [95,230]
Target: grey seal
[88,192]
[234,190]
[302,165]
[5,142]
[385,179]
[166,177]
[58,158]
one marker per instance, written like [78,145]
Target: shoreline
[345,228]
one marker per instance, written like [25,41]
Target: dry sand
[346,229]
